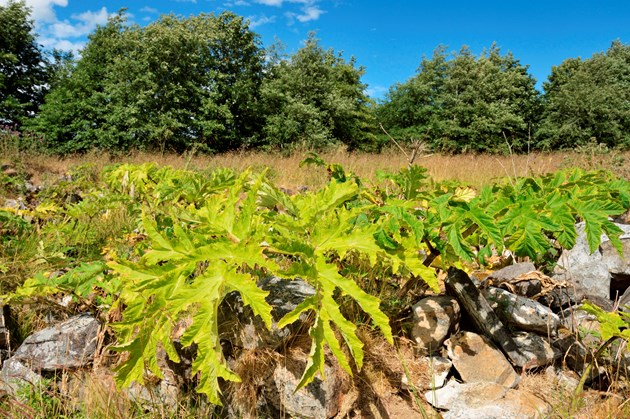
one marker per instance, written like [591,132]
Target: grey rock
[434,319]
[572,351]
[484,400]
[615,263]
[484,319]
[536,348]
[15,375]
[560,298]
[68,345]
[521,312]
[321,399]
[575,319]
[242,329]
[476,359]
[593,271]
[567,379]
[17,204]
[510,272]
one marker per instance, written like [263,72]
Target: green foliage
[588,100]
[88,282]
[464,103]
[316,99]
[184,240]
[23,66]
[176,84]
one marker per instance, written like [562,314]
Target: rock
[439,368]
[239,326]
[615,263]
[476,359]
[434,319]
[318,400]
[521,312]
[536,348]
[561,298]
[593,272]
[510,272]
[576,319]
[459,284]
[574,355]
[567,379]
[15,375]
[68,345]
[623,218]
[484,400]
[17,204]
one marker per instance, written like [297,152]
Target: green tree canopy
[588,100]
[23,67]
[174,84]
[316,98]
[464,103]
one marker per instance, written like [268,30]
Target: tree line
[205,83]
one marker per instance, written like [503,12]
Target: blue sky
[388,38]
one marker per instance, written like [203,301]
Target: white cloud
[310,13]
[277,3]
[62,44]
[85,23]
[376,92]
[147,9]
[309,10]
[42,9]
[255,22]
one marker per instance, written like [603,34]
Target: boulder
[567,379]
[521,312]
[576,320]
[485,400]
[240,328]
[477,308]
[17,204]
[434,319]
[593,271]
[16,375]
[577,354]
[66,346]
[321,399]
[561,298]
[510,272]
[476,359]
[536,348]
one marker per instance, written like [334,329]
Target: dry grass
[476,170]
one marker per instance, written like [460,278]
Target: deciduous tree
[588,100]
[464,103]
[316,99]
[23,65]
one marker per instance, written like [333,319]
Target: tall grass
[476,170]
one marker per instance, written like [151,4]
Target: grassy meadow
[474,169]
[93,393]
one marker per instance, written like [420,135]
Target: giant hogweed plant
[212,234]
[215,248]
